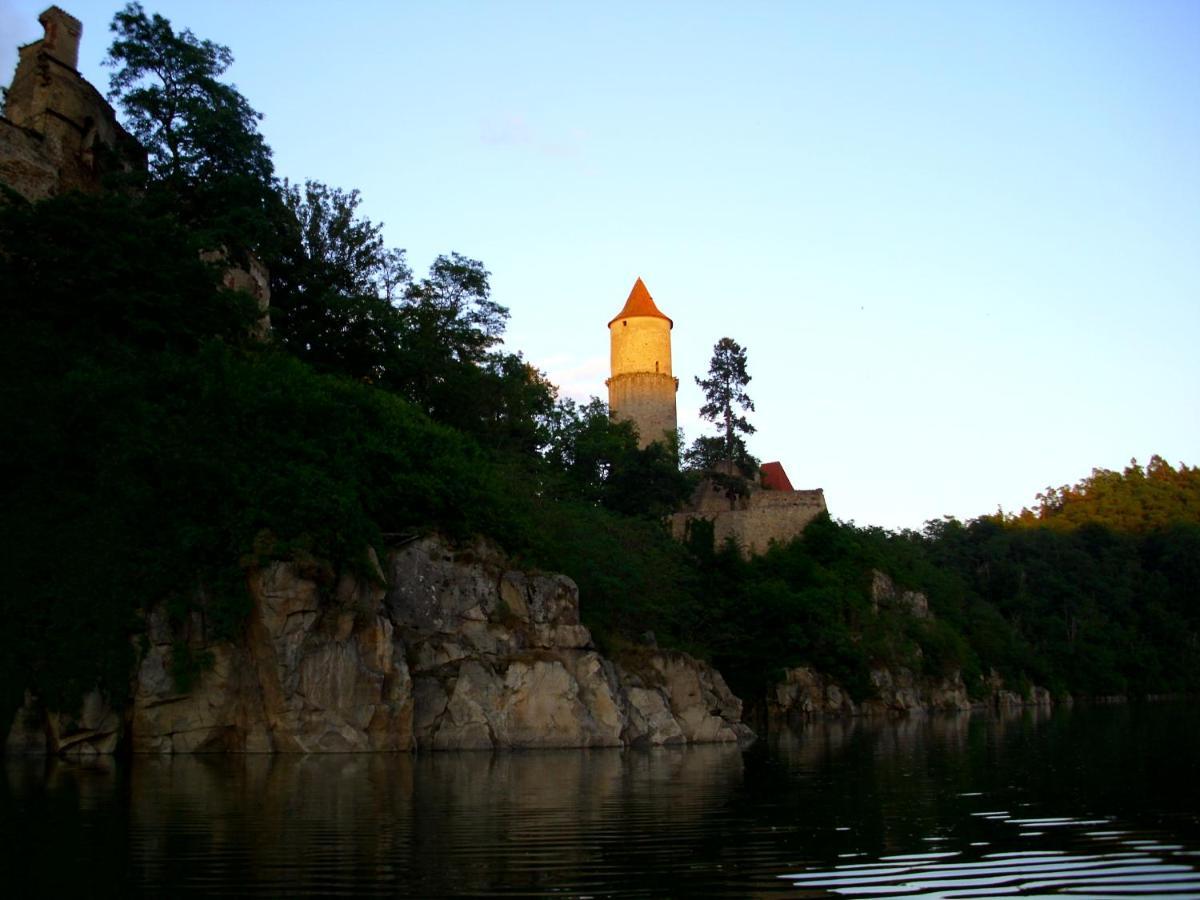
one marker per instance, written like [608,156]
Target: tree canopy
[725,401]
[207,159]
[1135,500]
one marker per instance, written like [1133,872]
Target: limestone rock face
[884,595]
[807,694]
[27,734]
[901,691]
[94,729]
[459,652]
[1001,698]
[663,685]
[500,659]
[316,671]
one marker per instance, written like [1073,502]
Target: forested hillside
[156,449]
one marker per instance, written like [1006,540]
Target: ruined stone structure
[770,511]
[642,389]
[58,133]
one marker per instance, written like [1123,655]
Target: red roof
[640,303]
[774,478]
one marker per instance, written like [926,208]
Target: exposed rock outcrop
[458,652]
[500,659]
[663,686]
[885,595]
[901,690]
[807,694]
[93,730]
[316,670]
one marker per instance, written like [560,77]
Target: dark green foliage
[93,275]
[208,164]
[348,306]
[151,455]
[332,283]
[1091,610]
[597,460]
[632,576]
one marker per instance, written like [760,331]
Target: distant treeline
[1095,609]
[156,449]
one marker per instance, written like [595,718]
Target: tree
[452,307]
[448,326]
[332,284]
[207,160]
[339,249]
[725,392]
[600,463]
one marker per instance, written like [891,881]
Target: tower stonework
[641,388]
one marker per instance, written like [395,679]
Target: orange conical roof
[640,303]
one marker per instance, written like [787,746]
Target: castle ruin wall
[755,521]
[58,133]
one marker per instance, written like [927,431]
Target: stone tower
[642,388]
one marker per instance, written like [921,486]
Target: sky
[960,242]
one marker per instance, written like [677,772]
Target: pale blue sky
[961,241]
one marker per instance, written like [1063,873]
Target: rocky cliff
[807,694]
[439,648]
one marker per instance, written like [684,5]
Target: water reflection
[1114,871]
[1022,803]
[1101,801]
[462,823]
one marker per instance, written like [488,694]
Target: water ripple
[1120,865]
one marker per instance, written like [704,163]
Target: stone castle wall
[753,521]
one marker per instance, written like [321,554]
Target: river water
[1084,802]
